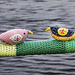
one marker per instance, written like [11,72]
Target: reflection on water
[37,15]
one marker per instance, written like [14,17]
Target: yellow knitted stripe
[7,50]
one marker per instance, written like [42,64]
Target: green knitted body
[45,47]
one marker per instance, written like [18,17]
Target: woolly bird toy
[14,36]
[61,33]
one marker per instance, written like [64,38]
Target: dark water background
[37,15]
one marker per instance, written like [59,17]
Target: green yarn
[41,47]
[70,46]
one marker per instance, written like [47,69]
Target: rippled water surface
[37,15]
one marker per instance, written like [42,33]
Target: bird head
[52,29]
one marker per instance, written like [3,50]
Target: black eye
[55,28]
[24,33]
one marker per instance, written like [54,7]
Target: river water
[37,15]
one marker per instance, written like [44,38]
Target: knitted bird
[14,36]
[61,33]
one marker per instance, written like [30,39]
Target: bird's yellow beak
[48,29]
[31,32]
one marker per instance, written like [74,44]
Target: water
[37,15]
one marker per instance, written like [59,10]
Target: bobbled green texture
[45,47]
[70,46]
